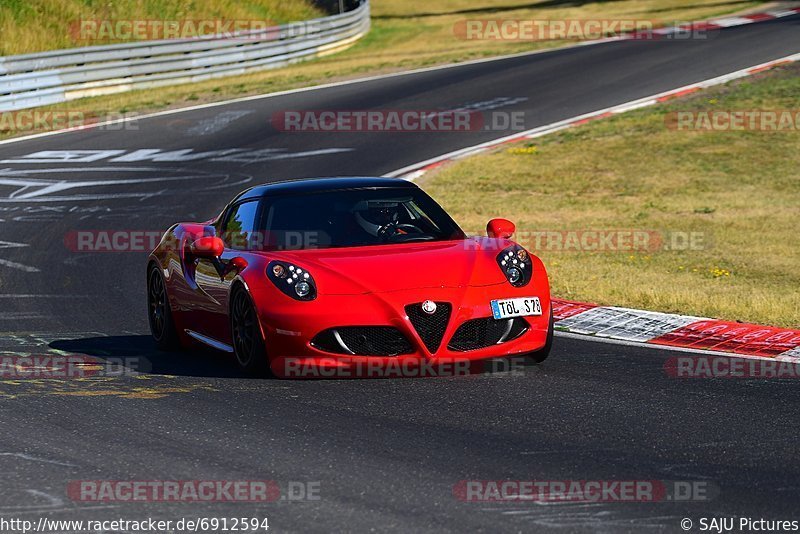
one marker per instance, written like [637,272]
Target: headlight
[302,289]
[515,262]
[292,280]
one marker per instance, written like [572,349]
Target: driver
[379,218]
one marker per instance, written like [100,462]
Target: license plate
[520,307]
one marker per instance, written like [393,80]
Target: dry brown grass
[33,26]
[741,190]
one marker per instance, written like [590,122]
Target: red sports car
[345,277]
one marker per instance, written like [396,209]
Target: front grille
[480,333]
[430,327]
[363,341]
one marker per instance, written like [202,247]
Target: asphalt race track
[386,454]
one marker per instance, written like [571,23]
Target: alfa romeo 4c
[334,273]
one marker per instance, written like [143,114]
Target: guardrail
[32,80]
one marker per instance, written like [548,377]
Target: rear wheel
[248,345]
[541,355]
[159,314]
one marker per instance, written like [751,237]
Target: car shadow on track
[140,354]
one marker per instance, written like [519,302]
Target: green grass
[739,189]
[405,34]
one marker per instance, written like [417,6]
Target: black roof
[316,185]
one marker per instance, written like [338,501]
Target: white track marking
[12,244]
[415,170]
[30,458]
[731,21]
[158,155]
[20,266]
[13,264]
[216,123]
[44,189]
[29,296]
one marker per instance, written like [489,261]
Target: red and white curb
[630,326]
[670,330]
[710,25]
[416,170]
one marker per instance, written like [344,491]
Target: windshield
[353,218]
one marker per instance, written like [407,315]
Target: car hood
[397,267]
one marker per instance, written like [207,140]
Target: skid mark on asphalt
[93,387]
[27,369]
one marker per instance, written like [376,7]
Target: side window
[240,230]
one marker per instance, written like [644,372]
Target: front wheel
[248,345]
[159,314]
[541,355]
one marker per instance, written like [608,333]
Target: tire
[541,355]
[159,314]
[248,345]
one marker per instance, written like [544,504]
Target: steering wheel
[400,232]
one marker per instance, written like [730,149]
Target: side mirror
[502,228]
[208,247]
[237,264]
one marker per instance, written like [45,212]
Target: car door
[239,229]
